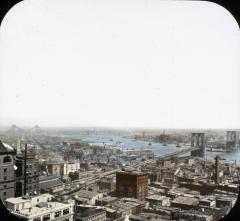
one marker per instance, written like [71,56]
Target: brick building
[12,170]
[132,184]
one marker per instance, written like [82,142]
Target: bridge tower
[231,139]
[198,141]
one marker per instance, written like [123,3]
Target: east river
[157,148]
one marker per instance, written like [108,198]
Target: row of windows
[30,187]
[56,215]
[30,180]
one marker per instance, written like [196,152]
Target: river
[157,148]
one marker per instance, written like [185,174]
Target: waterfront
[158,148]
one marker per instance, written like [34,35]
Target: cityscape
[124,110]
[118,174]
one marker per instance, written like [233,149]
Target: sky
[119,63]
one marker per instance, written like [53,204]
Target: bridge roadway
[169,155]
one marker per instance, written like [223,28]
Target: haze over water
[157,148]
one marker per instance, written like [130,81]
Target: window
[65,211]
[5,186]
[46,217]
[130,191]
[5,170]
[5,178]
[57,214]
[37,219]
[7,159]
[4,193]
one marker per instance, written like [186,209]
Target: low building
[70,168]
[105,201]
[157,200]
[87,197]
[185,202]
[106,184]
[90,213]
[50,184]
[225,202]
[207,202]
[204,215]
[55,168]
[40,208]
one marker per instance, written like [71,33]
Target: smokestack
[217,169]
[25,170]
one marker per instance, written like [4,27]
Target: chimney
[25,170]
[217,170]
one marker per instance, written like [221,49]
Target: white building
[157,200]
[40,208]
[70,167]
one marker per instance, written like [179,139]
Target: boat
[178,145]
[149,143]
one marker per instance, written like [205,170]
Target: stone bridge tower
[198,141]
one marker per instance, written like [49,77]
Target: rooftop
[41,209]
[6,148]
[156,197]
[26,198]
[186,200]
[46,182]
[85,194]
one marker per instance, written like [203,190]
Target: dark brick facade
[130,184]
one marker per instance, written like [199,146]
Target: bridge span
[169,155]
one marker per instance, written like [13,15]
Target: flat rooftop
[27,198]
[186,200]
[42,209]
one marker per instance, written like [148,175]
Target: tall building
[13,181]
[218,172]
[32,175]
[7,171]
[132,184]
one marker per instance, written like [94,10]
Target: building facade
[132,184]
[40,208]
[7,171]
[12,170]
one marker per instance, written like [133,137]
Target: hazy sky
[123,63]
